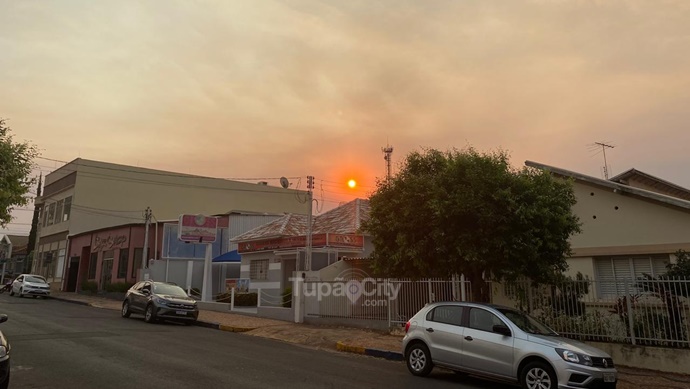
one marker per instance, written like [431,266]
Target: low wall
[285,314]
[213,306]
[670,360]
[381,325]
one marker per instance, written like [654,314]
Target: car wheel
[125,309]
[149,315]
[538,375]
[20,293]
[418,360]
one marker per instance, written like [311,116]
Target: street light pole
[310,186]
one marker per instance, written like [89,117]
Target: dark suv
[4,358]
[160,301]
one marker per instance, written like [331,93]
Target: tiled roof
[345,219]
[288,225]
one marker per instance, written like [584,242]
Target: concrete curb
[71,301]
[222,327]
[389,355]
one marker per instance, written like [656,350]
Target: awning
[230,256]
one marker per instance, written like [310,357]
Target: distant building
[13,252]
[84,196]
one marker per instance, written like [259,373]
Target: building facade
[85,195]
[273,253]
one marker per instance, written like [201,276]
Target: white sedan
[30,285]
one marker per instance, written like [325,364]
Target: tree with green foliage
[16,163]
[466,212]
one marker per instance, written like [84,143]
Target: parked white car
[30,285]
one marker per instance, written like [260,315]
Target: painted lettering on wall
[101,243]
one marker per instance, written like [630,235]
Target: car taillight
[407,326]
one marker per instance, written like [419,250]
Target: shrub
[287,298]
[118,287]
[89,286]
[245,299]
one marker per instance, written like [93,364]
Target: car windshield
[170,290]
[37,279]
[527,323]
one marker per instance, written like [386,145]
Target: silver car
[502,344]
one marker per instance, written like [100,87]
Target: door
[17,284]
[484,350]
[444,333]
[73,274]
[106,272]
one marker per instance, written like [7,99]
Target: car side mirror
[501,329]
[3,318]
[146,292]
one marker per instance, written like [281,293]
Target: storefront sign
[317,240]
[109,242]
[197,228]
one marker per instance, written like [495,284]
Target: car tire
[11,292]
[150,314]
[125,310]
[418,359]
[20,293]
[538,375]
[6,384]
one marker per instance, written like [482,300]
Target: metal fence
[636,311]
[392,300]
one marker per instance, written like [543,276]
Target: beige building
[86,195]
[631,225]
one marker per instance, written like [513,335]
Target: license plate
[185,313]
[609,377]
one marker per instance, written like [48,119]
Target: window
[258,269]
[122,263]
[58,212]
[93,261]
[447,314]
[483,320]
[51,214]
[44,216]
[615,275]
[67,209]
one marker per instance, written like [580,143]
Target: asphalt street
[62,345]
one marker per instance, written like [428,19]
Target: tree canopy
[466,212]
[16,163]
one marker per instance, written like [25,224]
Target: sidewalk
[353,340]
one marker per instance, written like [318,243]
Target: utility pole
[307,259]
[605,146]
[388,150]
[144,255]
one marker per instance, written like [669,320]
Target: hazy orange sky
[249,89]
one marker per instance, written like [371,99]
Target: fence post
[629,308]
[431,292]
[388,293]
[463,291]
[258,298]
[232,299]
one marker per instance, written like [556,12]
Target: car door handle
[468,338]
[429,330]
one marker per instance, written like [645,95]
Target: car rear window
[446,314]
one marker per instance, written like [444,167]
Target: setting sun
[352,183]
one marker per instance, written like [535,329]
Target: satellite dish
[284,182]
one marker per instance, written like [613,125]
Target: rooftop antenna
[605,146]
[388,151]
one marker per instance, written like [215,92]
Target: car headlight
[162,301]
[3,351]
[573,357]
